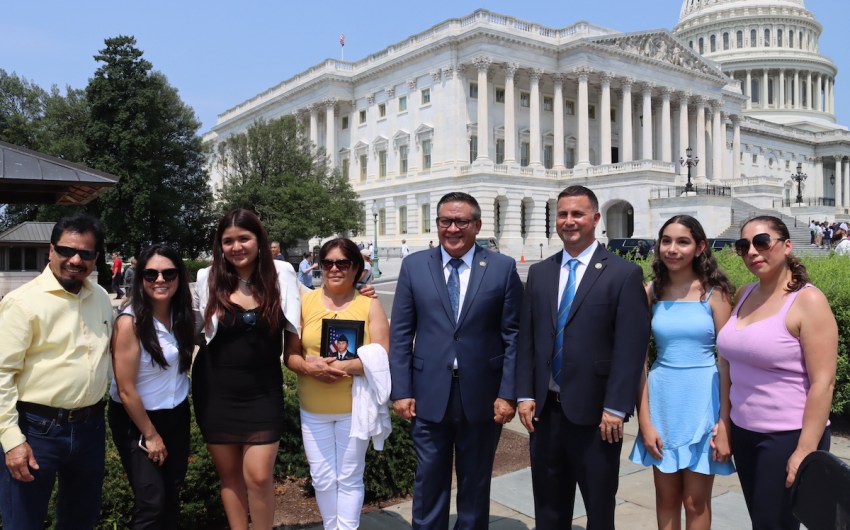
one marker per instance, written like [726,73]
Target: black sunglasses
[760,242]
[151,275]
[249,318]
[68,252]
[341,264]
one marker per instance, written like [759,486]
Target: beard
[72,286]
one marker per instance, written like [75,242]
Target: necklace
[243,280]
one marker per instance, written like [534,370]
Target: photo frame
[338,334]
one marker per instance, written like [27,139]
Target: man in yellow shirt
[54,363]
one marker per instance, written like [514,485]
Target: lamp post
[799,177]
[376,271]
[690,162]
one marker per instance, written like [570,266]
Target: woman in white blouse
[149,406]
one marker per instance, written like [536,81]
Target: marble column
[666,142]
[626,136]
[809,97]
[818,187]
[558,153]
[684,130]
[846,190]
[330,131]
[718,142]
[765,103]
[314,126]
[748,90]
[583,143]
[646,126]
[510,119]
[736,147]
[818,100]
[797,99]
[482,64]
[605,120]
[534,119]
[699,149]
[535,223]
[781,88]
[839,178]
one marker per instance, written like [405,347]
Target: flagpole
[342,46]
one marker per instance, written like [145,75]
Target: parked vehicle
[632,247]
[718,244]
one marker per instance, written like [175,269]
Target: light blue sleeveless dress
[684,389]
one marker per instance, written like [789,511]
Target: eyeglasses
[341,264]
[760,242]
[151,275]
[445,222]
[249,318]
[68,252]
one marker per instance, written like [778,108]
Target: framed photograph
[341,338]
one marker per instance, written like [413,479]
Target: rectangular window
[591,112]
[473,90]
[739,38]
[426,219]
[402,159]
[547,156]
[613,115]
[402,103]
[524,150]
[345,163]
[524,99]
[766,38]
[362,117]
[426,154]
[382,110]
[753,38]
[426,96]
[570,157]
[362,168]
[500,95]
[344,123]
[779,38]
[569,107]
[548,103]
[473,148]
[382,163]
[402,220]
[382,222]
[500,151]
[725,41]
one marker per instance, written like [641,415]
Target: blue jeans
[73,451]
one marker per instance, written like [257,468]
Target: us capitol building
[512,112]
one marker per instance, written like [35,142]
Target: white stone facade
[512,112]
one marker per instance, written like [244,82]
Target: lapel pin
[482,263]
[597,266]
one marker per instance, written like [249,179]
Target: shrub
[193,266]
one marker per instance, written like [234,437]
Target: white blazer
[290,300]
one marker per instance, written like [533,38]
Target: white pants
[336,467]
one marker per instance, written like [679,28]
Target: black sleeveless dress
[237,381]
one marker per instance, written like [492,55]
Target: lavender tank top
[767,370]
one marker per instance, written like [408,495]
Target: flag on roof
[342,39]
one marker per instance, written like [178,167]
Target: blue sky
[219,53]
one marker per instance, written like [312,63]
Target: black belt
[67,415]
[553,396]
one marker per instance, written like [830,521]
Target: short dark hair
[580,191]
[459,196]
[349,250]
[81,223]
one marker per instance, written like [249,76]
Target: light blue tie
[563,312]
[453,285]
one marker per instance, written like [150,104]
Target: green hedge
[830,274]
[193,266]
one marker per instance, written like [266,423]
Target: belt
[553,396]
[67,415]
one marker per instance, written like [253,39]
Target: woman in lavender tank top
[781,343]
[680,401]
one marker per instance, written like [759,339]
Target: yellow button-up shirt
[54,349]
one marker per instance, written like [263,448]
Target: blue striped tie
[563,312]
[453,285]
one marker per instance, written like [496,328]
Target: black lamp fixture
[376,270]
[689,162]
[799,177]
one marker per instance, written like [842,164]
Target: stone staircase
[799,229]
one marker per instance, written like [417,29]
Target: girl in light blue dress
[683,418]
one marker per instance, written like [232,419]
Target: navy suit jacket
[425,340]
[605,338]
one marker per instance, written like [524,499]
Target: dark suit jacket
[424,339]
[604,342]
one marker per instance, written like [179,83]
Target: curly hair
[223,279]
[799,275]
[705,266]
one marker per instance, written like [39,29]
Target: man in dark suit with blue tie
[584,328]
[452,359]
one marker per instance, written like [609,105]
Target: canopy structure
[31,177]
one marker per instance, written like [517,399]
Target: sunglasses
[249,318]
[445,222]
[68,252]
[760,242]
[151,275]
[341,264]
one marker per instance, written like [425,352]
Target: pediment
[659,46]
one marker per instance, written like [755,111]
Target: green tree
[270,169]
[140,130]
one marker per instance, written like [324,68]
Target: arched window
[691,44]
[713,43]
[725,41]
[753,38]
[754,90]
[779,38]
[800,40]
[790,39]
[740,38]
[766,38]
[701,47]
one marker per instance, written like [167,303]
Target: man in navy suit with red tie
[452,360]
[584,328]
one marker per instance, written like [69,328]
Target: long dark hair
[182,319]
[704,265]
[349,250]
[223,279]
[799,275]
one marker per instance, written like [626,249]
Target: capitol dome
[771,48]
